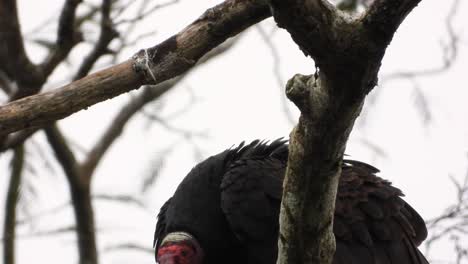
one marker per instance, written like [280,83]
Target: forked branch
[347,53]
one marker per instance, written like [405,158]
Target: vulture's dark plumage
[226,211]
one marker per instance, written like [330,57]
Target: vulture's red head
[179,248]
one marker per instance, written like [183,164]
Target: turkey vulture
[226,210]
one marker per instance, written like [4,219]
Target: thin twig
[128,246]
[107,34]
[146,13]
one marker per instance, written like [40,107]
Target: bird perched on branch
[226,210]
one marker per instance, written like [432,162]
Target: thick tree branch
[182,51]
[166,60]
[9,227]
[317,145]
[383,18]
[150,93]
[38,110]
[308,21]
[348,55]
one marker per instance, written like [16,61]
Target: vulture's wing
[372,223]
[250,198]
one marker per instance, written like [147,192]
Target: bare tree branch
[452,223]
[383,17]
[162,121]
[128,199]
[166,60]
[372,146]
[124,38]
[119,198]
[9,228]
[38,110]
[6,84]
[347,54]
[155,166]
[141,15]
[88,16]
[449,58]
[311,23]
[79,176]
[449,52]
[107,34]
[80,195]
[422,104]
[67,37]
[15,61]
[39,215]
[149,94]
[64,155]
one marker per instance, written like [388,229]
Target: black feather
[230,204]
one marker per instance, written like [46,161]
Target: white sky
[238,99]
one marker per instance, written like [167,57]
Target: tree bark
[347,54]
[167,60]
[9,228]
[317,145]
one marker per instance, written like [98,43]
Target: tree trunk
[347,54]
[317,145]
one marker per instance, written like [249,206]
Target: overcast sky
[237,98]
